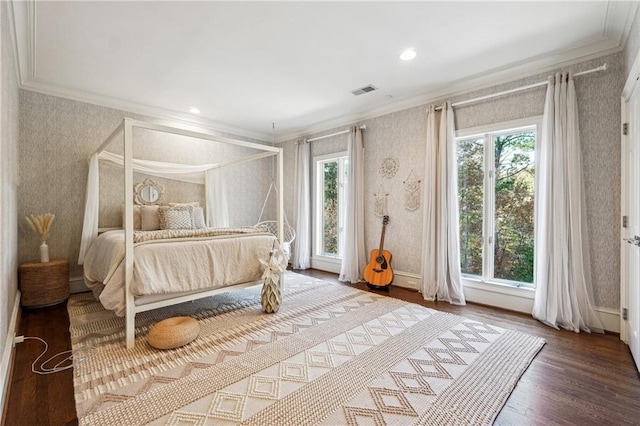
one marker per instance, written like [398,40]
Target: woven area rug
[332,355]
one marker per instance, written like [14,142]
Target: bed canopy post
[280,208]
[128,233]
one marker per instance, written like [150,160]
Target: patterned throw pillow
[178,217]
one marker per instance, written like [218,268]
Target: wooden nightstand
[44,284]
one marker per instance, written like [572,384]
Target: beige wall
[8,187]
[402,135]
[57,136]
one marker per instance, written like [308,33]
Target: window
[330,204]
[496,176]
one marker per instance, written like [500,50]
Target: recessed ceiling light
[194,110]
[408,54]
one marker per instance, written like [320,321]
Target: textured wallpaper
[9,177]
[57,136]
[402,135]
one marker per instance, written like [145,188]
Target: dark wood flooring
[576,379]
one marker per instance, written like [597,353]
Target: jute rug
[332,355]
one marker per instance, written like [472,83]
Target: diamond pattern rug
[332,355]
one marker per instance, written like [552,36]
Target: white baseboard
[610,319]
[406,280]
[7,354]
[500,296]
[326,264]
[77,285]
[521,300]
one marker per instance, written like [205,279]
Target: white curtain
[562,266]
[91,208]
[217,204]
[183,172]
[354,259]
[302,207]
[441,246]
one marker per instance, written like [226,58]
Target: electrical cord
[74,356]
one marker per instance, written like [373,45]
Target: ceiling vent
[366,89]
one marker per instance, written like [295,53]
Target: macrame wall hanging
[389,167]
[412,192]
[380,208]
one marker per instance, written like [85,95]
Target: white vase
[44,252]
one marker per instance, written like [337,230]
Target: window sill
[498,287]
[500,295]
[325,263]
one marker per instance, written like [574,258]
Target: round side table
[44,284]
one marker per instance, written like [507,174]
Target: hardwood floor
[576,379]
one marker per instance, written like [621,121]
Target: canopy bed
[134,269]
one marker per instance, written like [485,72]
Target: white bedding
[175,265]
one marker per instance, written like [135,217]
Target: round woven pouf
[173,332]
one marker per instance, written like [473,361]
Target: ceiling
[247,65]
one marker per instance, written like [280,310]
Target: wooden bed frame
[127,127]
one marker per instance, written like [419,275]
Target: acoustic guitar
[378,273]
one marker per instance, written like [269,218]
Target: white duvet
[175,265]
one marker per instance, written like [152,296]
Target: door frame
[631,84]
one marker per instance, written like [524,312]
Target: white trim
[628,11]
[483,81]
[506,126]
[77,285]
[327,264]
[142,109]
[624,140]
[488,133]
[520,299]
[627,91]
[406,280]
[7,354]
[610,318]
[317,192]
[25,57]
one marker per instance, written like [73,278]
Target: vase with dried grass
[41,225]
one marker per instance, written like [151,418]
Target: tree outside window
[499,204]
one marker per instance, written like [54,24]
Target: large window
[496,175]
[330,204]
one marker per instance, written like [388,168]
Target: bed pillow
[150,220]
[137,218]
[193,203]
[178,217]
[198,218]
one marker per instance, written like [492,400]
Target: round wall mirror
[148,192]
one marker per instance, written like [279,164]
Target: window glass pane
[470,193]
[514,195]
[330,225]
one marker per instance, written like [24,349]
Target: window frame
[489,133]
[317,235]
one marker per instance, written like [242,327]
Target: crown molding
[630,14]
[137,108]
[23,25]
[467,86]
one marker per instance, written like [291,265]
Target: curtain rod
[363,127]
[602,67]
